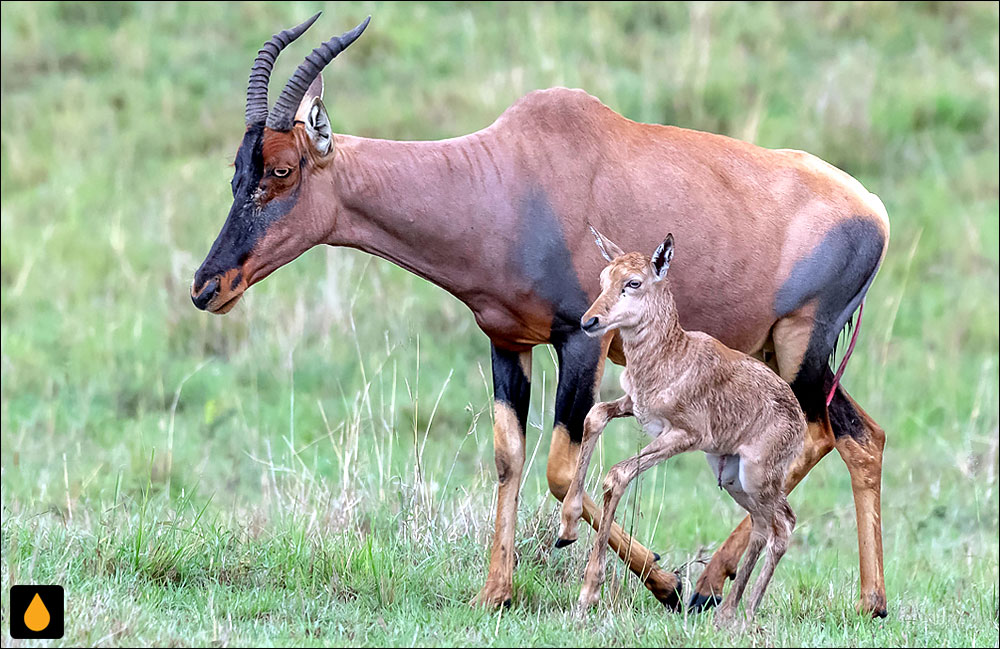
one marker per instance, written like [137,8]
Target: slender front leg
[581,362]
[666,445]
[860,442]
[511,393]
[597,419]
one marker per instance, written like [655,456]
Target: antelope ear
[315,90]
[318,127]
[609,250]
[661,258]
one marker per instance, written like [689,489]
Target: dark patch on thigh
[542,257]
[837,274]
[844,418]
[510,385]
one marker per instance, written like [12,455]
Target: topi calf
[689,392]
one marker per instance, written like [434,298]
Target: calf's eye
[633,283]
[281,172]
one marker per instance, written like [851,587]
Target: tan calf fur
[689,392]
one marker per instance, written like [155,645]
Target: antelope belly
[727,470]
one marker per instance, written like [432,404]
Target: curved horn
[260,73]
[280,119]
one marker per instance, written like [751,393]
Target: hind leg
[782,524]
[709,588]
[759,491]
[758,538]
[791,342]
[860,442]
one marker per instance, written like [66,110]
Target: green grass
[316,467]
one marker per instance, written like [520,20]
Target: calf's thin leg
[666,445]
[597,419]
[806,370]
[782,524]
[580,366]
[708,591]
[758,538]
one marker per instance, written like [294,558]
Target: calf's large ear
[661,258]
[609,249]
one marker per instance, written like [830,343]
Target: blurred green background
[316,466]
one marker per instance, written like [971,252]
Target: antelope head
[629,285]
[279,208]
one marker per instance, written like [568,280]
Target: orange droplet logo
[36,617]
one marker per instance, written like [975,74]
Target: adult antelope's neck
[425,206]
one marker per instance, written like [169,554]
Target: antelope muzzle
[218,293]
[209,290]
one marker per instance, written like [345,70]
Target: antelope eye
[633,283]
[281,172]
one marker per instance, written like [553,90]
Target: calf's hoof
[569,523]
[725,616]
[588,599]
[562,543]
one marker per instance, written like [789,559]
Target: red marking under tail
[847,356]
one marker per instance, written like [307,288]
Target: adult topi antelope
[780,249]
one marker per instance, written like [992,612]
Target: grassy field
[316,467]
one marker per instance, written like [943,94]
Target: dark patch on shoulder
[579,356]
[542,257]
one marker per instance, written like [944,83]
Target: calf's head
[629,285]
[280,208]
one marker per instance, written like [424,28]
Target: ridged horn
[280,119]
[260,73]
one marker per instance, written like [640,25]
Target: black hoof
[562,543]
[674,601]
[700,603]
[656,557]
[506,603]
